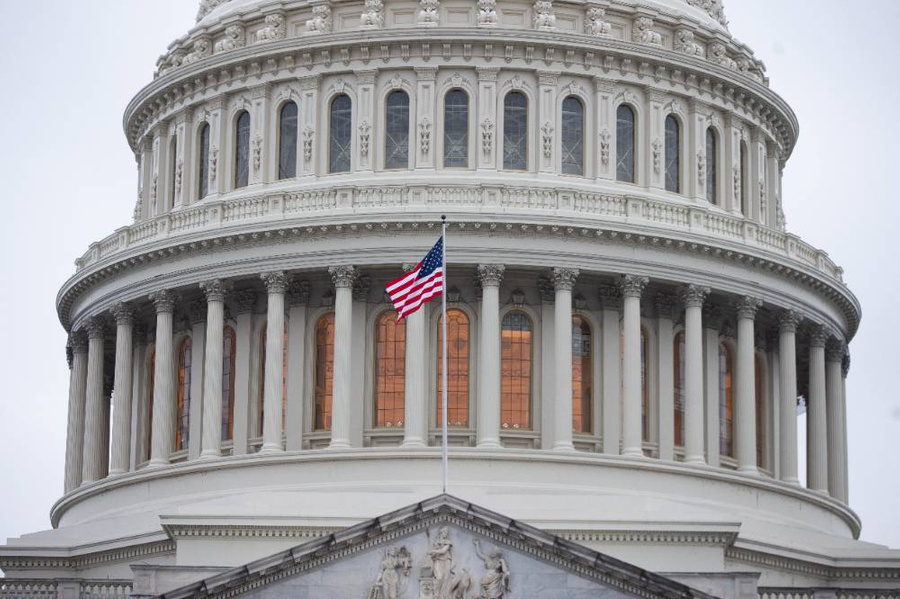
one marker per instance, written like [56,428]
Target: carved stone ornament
[79,341]
[321,20]
[517,298]
[309,134]
[207,6]
[579,301]
[643,33]
[154,190]
[179,176]
[713,8]
[701,167]
[275,282]
[633,285]
[487,13]
[373,15]
[713,317]
[738,184]
[818,335]
[202,48]
[605,139]
[365,130]
[666,306]
[694,296]
[361,287]
[425,136]
[196,311]
[546,290]
[444,579]
[163,300]
[657,155]
[298,293]
[834,350]
[275,29]
[495,582]
[213,165]
[244,301]
[547,139]
[718,54]
[610,297]
[487,136]
[542,15]
[123,313]
[235,38]
[393,578]
[595,23]
[564,278]
[257,153]
[343,276]
[428,13]
[453,295]
[215,290]
[746,307]
[684,43]
[490,275]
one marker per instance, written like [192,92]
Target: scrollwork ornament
[487,136]
[633,285]
[298,293]
[123,312]
[818,335]
[564,278]
[163,300]
[610,297]
[425,136]
[95,327]
[834,350]
[547,139]
[373,15]
[275,282]
[788,321]
[694,296]
[487,13]
[747,306]
[215,290]
[343,276]
[79,341]
[309,135]
[364,132]
[428,13]
[490,275]
[605,139]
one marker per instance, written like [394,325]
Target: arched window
[726,401]
[760,412]
[625,144]
[673,155]
[173,169]
[263,336]
[679,389]
[203,167]
[396,130]
[572,138]
[744,186]
[390,370]
[340,134]
[582,376]
[287,141]
[151,385]
[457,369]
[183,400]
[324,375]
[229,347]
[516,339]
[456,129]
[712,167]
[242,150]
[515,131]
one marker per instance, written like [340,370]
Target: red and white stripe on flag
[422,284]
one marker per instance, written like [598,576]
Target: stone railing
[40,589]
[105,590]
[51,589]
[826,593]
[596,209]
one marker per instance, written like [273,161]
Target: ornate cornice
[11,563]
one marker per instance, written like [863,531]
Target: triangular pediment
[443,548]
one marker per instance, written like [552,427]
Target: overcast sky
[69,69]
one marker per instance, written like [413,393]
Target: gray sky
[69,69]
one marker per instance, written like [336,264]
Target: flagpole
[444,450]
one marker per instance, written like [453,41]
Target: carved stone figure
[202,49]
[445,581]
[321,21]
[487,13]
[746,66]
[207,6]
[394,575]
[235,38]
[543,15]
[595,23]
[684,42]
[713,8]
[275,29]
[373,16]
[643,32]
[718,54]
[428,13]
[495,582]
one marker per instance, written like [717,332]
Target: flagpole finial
[444,217]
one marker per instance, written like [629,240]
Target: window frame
[329,115]
[468,128]
[635,149]
[236,158]
[527,134]
[280,145]
[410,133]
[582,142]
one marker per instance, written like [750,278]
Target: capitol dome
[631,327]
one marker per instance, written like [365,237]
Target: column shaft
[787,352]
[163,417]
[490,276]
[564,280]
[298,297]
[711,325]
[665,315]
[835,416]
[415,405]
[816,435]
[745,387]
[211,445]
[273,394]
[75,432]
[122,390]
[91,467]
[343,277]
[693,297]
[612,365]
[632,434]
[245,300]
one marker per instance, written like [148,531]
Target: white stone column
[787,352]
[834,356]
[693,297]
[548,366]
[712,324]
[197,316]
[211,434]
[632,436]
[490,276]
[611,301]
[665,336]
[298,297]
[745,386]
[564,283]
[845,474]
[75,429]
[816,418]
[122,389]
[276,286]
[343,278]
[245,300]
[138,395]
[94,455]
[415,424]
[163,435]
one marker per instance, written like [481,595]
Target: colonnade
[92,456]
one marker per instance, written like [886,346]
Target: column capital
[610,297]
[123,313]
[834,350]
[197,311]
[694,296]
[788,321]
[298,293]
[245,300]
[666,305]
[713,317]
[343,276]
[490,275]
[818,335]
[215,290]
[487,73]
[361,287]
[845,363]
[746,307]
[164,300]
[139,335]
[564,278]
[79,341]
[275,282]
[633,285]
[546,290]
[96,328]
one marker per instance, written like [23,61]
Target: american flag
[421,284]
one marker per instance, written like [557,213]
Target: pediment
[443,548]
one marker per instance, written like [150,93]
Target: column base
[564,446]
[695,461]
[157,463]
[489,444]
[791,481]
[748,470]
[270,449]
[632,452]
[340,444]
[413,444]
[117,473]
[209,455]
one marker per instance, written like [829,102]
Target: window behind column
[340,134]
[396,137]
[456,129]
[229,347]
[679,360]
[390,370]
[726,401]
[183,396]
[582,376]
[673,155]
[287,141]
[457,369]
[515,131]
[324,372]
[572,138]
[203,159]
[263,337]
[712,167]
[625,144]
[242,150]
[760,409]
[516,340]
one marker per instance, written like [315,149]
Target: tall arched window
[183,399]
[324,375]
[515,131]
[457,369]
[712,167]
[516,340]
[390,370]
[287,141]
[396,130]
[744,186]
[263,336]
[151,385]
[340,134]
[242,150]
[582,376]
[679,389]
[203,167]
[625,143]
[726,401]
[173,169]
[456,129]
[760,412]
[229,347]
[673,155]
[572,138]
